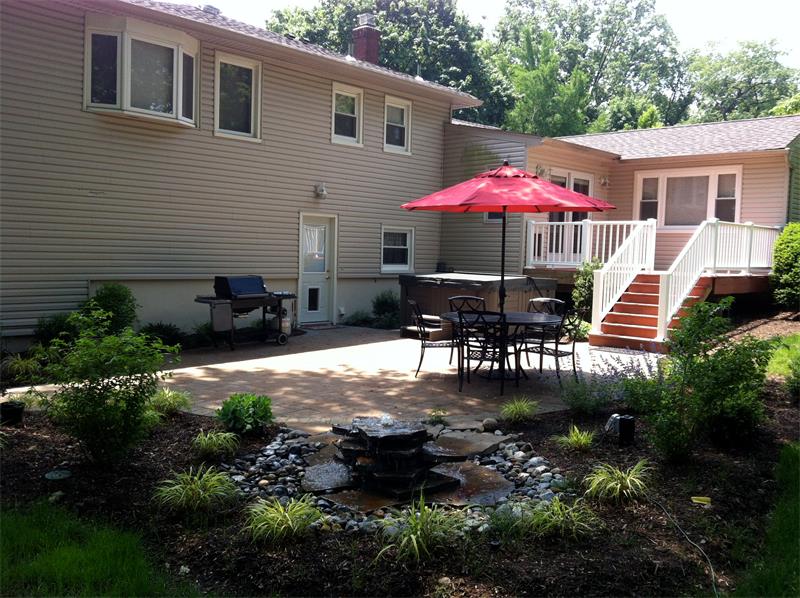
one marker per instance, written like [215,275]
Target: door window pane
[725,204]
[152,67]
[580,186]
[187,110]
[314,247]
[104,69]
[686,201]
[235,98]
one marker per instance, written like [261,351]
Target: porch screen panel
[686,200]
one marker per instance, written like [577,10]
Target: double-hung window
[237,92]
[688,196]
[397,126]
[397,249]
[347,114]
[140,69]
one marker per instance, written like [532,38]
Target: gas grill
[237,296]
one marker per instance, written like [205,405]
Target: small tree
[118,301]
[105,383]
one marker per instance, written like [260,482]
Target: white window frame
[712,172]
[398,268]
[255,117]
[570,176]
[488,220]
[406,106]
[125,30]
[358,94]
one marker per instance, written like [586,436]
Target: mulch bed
[638,551]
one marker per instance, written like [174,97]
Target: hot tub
[432,291]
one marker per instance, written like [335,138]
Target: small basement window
[237,93]
[347,110]
[140,69]
[397,128]
[397,249]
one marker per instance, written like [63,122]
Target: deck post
[597,300]
[714,222]
[749,254]
[586,233]
[663,295]
[651,245]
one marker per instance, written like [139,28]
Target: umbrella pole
[504,329]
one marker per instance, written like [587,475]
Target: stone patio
[327,376]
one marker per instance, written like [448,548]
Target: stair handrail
[702,253]
[637,253]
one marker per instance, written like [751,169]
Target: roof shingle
[727,137]
[185,11]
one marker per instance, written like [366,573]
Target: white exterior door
[565,242]
[317,264]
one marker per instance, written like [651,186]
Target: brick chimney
[366,39]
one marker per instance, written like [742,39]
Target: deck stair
[632,322]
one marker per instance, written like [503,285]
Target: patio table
[515,319]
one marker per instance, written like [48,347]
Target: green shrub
[581,332]
[360,317]
[641,394]
[169,334]
[118,301]
[245,412]
[53,327]
[786,267]
[673,428]
[420,531]
[105,382]
[518,410]
[274,523]
[583,291]
[49,551]
[23,369]
[793,379]
[586,397]
[213,445]
[196,491]
[576,439]
[386,309]
[168,401]
[612,484]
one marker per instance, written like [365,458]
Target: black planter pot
[11,412]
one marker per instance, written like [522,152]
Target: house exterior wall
[764,192]
[470,242]
[90,197]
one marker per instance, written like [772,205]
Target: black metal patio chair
[467,303]
[426,325]
[535,334]
[555,341]
[480,336]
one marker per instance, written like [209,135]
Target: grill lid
[232,287]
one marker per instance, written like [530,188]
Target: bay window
[687,196]
[140,69]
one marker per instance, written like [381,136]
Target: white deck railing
[572,243]
[634,255]
[714,246]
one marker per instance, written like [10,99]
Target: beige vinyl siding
[794,181]
[88,196]
[469,242]
[764,183]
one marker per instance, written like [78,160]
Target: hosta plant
[245,412]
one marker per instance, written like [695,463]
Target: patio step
[628,330]
[632,319]
[626,342]
[651,298]
[635,308]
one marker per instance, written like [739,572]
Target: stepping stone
[326,477]
[323,455]
[479,485]
[468,444]
[463,422]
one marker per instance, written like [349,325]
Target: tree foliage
[544,104]
[430,35]
[745,83]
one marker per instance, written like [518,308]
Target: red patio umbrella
[507,189]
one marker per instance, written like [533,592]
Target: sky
[696,22]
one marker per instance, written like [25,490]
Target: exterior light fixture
[320,192]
